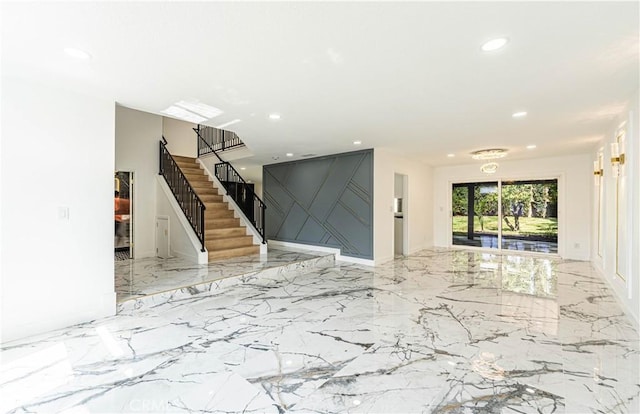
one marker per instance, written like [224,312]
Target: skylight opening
[202,109]
[181,113]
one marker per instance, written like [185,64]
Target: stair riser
[220,233]
[210,191]
[193,177]
[217,214]
[212,206]
[211,224]
[226,254]
[201,184]
[193,168]
[229,243]
[212,199]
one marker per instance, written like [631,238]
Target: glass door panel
[530,215]
[475,214]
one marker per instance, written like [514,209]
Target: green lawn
[533,226]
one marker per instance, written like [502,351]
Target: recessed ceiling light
[274,116]
[531,146]
[494,44]
[357,142]
[289,154]
[243,168]
[77,53]
[451,155]
[489,154]
[520,114]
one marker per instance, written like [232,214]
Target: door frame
[132,207]
[559,177]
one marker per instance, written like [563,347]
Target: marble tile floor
[143,277]
[441,331]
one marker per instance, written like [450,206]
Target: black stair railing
[191,204]
[236,187]
[214,139]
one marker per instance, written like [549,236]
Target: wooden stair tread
[235,252]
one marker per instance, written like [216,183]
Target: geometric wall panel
[325,201]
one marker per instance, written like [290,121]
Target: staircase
[224,236]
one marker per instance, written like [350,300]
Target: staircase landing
[150,282]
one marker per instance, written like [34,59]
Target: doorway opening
[123,232]
[400,239]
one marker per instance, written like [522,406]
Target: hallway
[444,331]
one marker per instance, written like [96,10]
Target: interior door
[162,237]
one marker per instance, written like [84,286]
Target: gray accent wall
[325,201]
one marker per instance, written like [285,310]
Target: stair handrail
[226,174]
[191,204]
[216,139]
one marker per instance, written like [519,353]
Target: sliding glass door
[475,214]
[510,215]
[530,215]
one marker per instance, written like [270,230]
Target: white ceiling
[405,75]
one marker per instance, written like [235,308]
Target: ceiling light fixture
[77,53]
[243,168]
[489,168]
[289,154]
[357,142]
[494,44]
[520,114]
[451,155]
[489,154]
[274,117]
[532,146]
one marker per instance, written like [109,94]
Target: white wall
[417,204]
[57,153]
[575,184]
[181,138]
[183,241]
[138,136]
[627,289]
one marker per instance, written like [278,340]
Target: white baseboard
[107,304]
[336,251]
[417,249]
[616,291]
[201,258]
[144,255]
